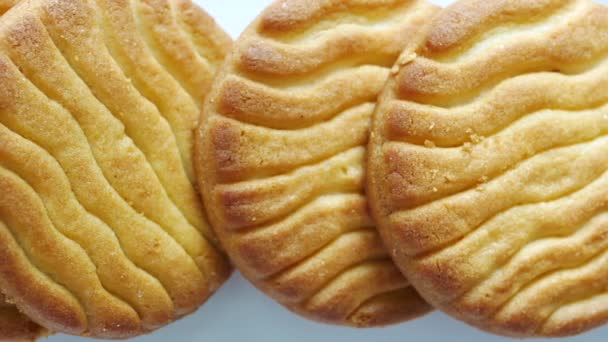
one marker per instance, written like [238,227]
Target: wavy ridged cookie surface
[15,326]
[101,230]
[489,165]
[281,150]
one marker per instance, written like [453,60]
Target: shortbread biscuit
[280,155]
[101,229]
[488,166]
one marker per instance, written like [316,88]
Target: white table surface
[239,312]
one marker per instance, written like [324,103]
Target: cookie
[280,154]
[488,169]
[101,230]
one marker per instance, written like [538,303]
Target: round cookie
[102,233]
[488,169]
[280,154]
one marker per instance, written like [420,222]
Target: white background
[238,312]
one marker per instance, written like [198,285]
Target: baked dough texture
[101,230]
[280,154]
[5,5]
[15,326]
[489,165]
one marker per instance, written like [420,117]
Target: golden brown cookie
[280,155]
[489,165]
[101,229]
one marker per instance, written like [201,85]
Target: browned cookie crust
[489,165]
[5,5]
[280,156]
[15,326]
[101,229]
